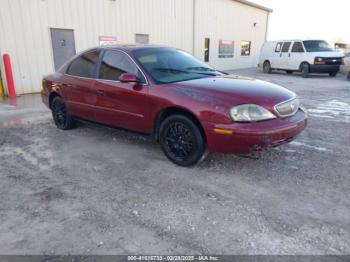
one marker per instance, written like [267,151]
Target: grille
[332,60]
[288,108]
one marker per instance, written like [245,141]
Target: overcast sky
[322,19]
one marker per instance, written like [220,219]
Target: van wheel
[289,72]
[267,67]
[305,70]
[333,74]
[181,140]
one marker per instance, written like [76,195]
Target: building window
[245,48]
[226,48]
[141,39]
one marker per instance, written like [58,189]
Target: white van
[306,56]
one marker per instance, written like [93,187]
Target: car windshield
[168,65]
[317,46]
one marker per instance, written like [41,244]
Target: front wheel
[61,115]
[182,141]
[333,74]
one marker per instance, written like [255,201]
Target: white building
[40,34]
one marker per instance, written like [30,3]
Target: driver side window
[116,63]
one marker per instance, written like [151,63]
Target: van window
[285,47]
[278,47]
[297,47]
[317,46]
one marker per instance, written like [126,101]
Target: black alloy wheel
[182,141]
[61,116]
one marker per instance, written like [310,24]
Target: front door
[63,46]
[121,104]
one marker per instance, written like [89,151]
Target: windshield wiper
[203,68]
[174,70]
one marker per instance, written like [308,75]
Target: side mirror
[128,78]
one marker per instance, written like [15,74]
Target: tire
[61,115]
[333,74]
[182,141]
[305,70]
[267,67]
[349,76]
[289,72]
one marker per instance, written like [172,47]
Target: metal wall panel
[229,20]
[25,29]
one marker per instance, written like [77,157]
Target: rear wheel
[61,115]
[182,141]
[267,67]
[289,72]
[333,74]
[305,69]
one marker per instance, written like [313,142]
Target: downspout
[267,25]
[194,27]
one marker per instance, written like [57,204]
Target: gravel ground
[98,190]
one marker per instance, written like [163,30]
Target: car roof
[295,40]
[131,47]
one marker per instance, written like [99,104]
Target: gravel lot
[98,190]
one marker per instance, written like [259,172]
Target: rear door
[79,85]
[122,104]
[285,55]
[276,52]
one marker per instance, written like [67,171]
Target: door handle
[100,92]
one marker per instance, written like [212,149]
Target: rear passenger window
[297,47]
[84,65]
[115,63]
[278,47]
[285,47]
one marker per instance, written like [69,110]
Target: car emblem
[334,60]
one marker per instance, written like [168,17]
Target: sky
[321,19]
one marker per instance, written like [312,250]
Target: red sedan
[189,107]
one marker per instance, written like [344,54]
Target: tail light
[342,61]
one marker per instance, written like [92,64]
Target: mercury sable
[189,107]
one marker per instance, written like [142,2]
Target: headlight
[250,113]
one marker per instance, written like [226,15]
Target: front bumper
[247,138]
[324,68]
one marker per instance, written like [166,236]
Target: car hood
[230,90]
[327,54]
